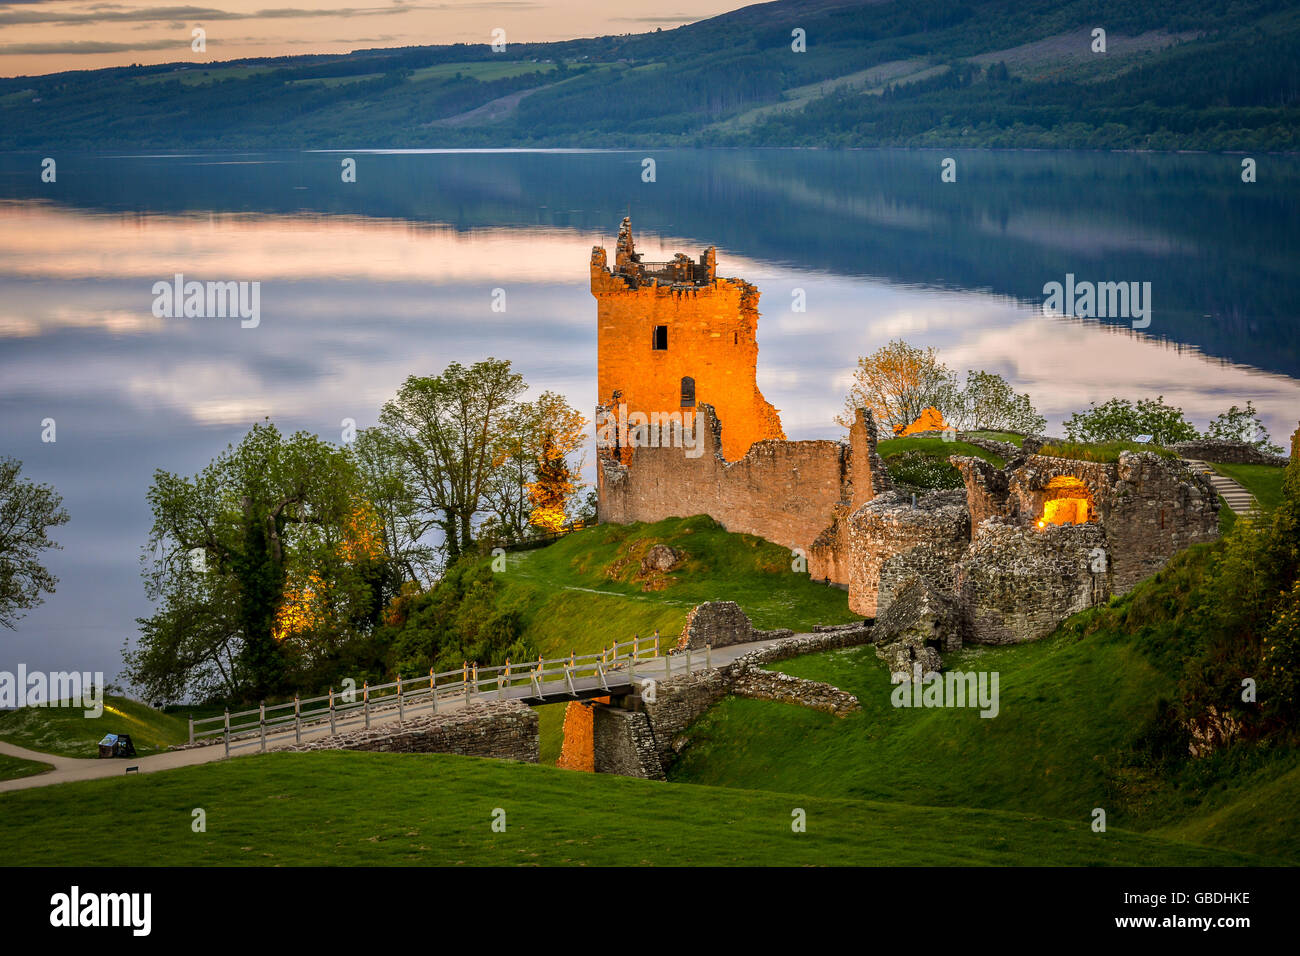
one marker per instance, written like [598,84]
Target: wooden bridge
[614,671]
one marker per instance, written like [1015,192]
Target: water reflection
[359,290]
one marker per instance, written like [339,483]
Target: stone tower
[672,335]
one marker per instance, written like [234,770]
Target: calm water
[365,283]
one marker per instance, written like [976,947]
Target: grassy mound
[587,590]
[410,810]
[67,732]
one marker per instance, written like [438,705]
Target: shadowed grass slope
[67,732]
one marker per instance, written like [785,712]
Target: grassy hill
[422,810]
[586,591]
[1075,710]
[67,732]
[1175,74]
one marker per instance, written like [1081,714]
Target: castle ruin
[1018,550]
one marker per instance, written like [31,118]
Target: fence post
[365,701]
[401,710]
[331,711]
[708,657]
[668,666]
[464,679]
[631,667]
[227,731]
[433,690]
[261,722]
[656,642]
[635,639]
[191,730]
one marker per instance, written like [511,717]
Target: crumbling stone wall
[1157,507]
[1226,452]
[712,328]
[715,624]
[506,730]
[624,744]
[781,491]
[891,541]
[1018,581]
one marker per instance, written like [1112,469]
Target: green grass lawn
[935,446]
[585,591]
[389,809]
[67,732]
[1103,451]
[11,768]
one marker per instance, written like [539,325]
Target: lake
[364,283]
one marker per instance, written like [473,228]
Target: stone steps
[1238,498]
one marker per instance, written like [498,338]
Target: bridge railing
[616,665]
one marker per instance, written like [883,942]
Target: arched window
[688,392]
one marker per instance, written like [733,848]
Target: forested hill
[1190,74]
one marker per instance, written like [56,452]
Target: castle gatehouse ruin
[1018,550]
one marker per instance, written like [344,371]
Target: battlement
[631,272]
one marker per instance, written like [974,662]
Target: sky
[48,36]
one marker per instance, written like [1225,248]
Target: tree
[1242,425]
[264,559]
[390,489]
[27,513]
[1121,420]
[897,383]
[534,482]
[446,430]
[988,402]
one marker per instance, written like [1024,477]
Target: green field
[67,732]
[421,810]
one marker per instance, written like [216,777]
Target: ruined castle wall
[1018,582]
[1226,452]
[712,338]
[1157,508]
[892,541]
[781,491]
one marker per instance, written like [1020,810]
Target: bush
[923,469]
[1107,451]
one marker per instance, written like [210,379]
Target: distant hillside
[1175,74]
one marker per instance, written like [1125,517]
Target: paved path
[69,769]
[1238,498]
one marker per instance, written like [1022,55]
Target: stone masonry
[506,730]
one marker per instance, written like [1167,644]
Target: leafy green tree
[1242,425]
[988,402]
[897,382]
[446,430]
[265,558]
[458,620]
[1122,420]
[27,513]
